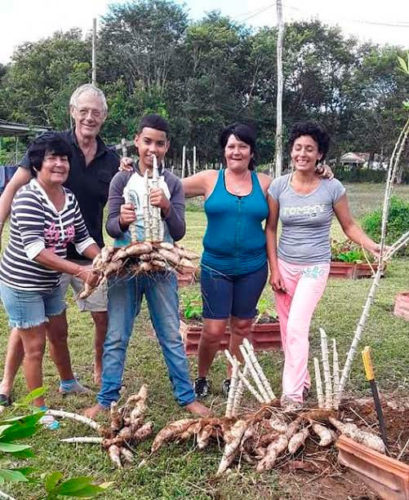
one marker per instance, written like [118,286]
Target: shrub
[398,223]
[345,174]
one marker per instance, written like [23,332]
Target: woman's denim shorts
[229,295]
[27,309]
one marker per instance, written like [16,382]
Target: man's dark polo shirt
[90,184]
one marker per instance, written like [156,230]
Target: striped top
[35,225]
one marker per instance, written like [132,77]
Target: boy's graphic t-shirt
[135,192]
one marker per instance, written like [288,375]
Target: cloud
[31,20]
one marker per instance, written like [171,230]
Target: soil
[396,416]
[315,473]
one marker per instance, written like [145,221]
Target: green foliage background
[204,74]
[398,222]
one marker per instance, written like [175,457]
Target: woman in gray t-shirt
[299,266]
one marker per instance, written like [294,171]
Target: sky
[379,22]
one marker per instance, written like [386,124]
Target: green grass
[179,471]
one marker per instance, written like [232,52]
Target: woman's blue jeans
[124,304]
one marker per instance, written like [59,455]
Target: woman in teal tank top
[234,261]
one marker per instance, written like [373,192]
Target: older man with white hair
[92,167]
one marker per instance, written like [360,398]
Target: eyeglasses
[95,113]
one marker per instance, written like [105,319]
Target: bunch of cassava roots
[140,257]
[262,436]
[126,429]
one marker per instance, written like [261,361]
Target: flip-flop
[5,400]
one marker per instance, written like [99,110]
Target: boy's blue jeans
[124,303]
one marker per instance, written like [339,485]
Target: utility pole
[183,161]
[94,52]
[280,84]
[194,160]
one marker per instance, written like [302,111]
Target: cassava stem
[245,381]
[335,373]
[250,349]
[232,389]
[78,418]
[318,381]
[254,374]
[325,365]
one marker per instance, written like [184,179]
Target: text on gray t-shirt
[305,219]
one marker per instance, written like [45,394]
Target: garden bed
[387,476]
[338,475]
[352,270]
[186,278]
[401,308]
[350,261]
[265,336]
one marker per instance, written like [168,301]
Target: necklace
[238,187]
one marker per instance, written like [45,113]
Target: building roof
[354,157]
[20,129]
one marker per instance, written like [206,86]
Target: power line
[261,10]
[396,24]
[251,13]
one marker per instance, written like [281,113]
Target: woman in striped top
[45,217]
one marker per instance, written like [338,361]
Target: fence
[6,173]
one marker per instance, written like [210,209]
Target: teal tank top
[235,242]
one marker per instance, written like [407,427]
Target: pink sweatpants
[305,285]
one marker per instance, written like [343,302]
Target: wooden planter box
[388,477]
[351,270]
[265,337]
[402,306]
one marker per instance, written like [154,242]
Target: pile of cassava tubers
[140,257]
[261,437]
[126,429]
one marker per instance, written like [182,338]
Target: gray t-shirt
[305,219]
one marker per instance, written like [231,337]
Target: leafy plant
[192,306]
[353,256]
[398,222]
[81,486]
[346,251]
[265,310]
[21,427]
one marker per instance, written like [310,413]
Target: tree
[42,75]
[138,42]
[376,122]
[211,90]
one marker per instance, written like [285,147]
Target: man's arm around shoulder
[19,179]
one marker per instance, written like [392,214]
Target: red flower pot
[402,306]
[186,278]
[265,337]
[364,270]
[352,270]
[342,270]
[388,477]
